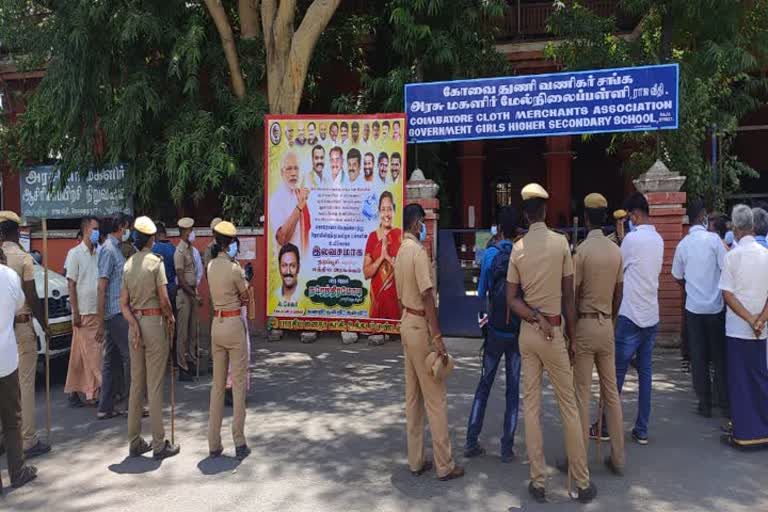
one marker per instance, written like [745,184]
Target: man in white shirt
[642,252]
[744,282]
[84,372]
[288,213]
[12,301]
[316,178]
[338,177]
[696,267]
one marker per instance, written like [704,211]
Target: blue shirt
[166,250]
[110,262]
[699,260]
[761,240]
[484,285]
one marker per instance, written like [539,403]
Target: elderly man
[761,226]
[744,282]
[338,177]
[696,267]
[289,215]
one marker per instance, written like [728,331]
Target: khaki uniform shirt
[226,281]
[142,274]
[184,261]
[23,264]
[598,266]
[413,273]
[538,264]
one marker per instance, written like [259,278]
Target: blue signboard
[597,101]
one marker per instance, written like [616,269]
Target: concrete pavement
[327,428]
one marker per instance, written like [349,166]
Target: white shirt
[83,269]
[745,275]
[699,260]
[198,264]
[282,203]
[643,254]
[11,302]
[293,298]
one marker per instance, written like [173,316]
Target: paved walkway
[326,425]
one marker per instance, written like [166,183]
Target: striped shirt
[111,262]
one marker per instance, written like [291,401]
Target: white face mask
[127,235]
[192,237]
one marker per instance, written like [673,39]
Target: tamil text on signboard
[606,100]
[101,192]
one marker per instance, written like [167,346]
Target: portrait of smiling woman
[379,263]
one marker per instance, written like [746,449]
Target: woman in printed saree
[379,263]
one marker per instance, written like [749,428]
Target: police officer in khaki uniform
[21,262]
[187,298]
[541,267]
[145,305]
[619,216]
[229,291]
[599,278]
[420,334]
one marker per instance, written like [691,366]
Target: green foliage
[152,76]
[722,49]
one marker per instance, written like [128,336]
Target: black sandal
[109,415]
[24,476]
[426,467]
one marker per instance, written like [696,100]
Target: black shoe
[562,466]
[639,440]
[426,467]
[74,401]
[704,410]
[613,468]
[24,476]
[537,493]
[603,435]
[588,494]
[140,448]
[185,376]
[475,451]
[508,458]
[228,400]
[216,453]
[241,452]
[38,449]
[169,450]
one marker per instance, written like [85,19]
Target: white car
[59,315]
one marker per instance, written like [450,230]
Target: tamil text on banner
[100,192]
[334,200]
[606,100]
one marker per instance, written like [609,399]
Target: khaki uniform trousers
[538,354]
[228,345]
[186,342]
[148,364]
[26,341]
[594,346]
[423,392]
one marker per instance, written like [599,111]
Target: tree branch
[221,21]
[249,19]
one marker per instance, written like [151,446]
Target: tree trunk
[221,21]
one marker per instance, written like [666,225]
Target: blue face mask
[631,226]
[95,236]
[232,250]
[729,238]
[423,232]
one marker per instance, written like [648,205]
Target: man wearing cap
[421,336]
[541,267]
[186,298]
[21,262]
[145,305]
[229,347]
[599,277]
[619,217]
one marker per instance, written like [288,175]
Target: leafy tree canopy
[722,49]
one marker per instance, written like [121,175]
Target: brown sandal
[457,472]
[426,467]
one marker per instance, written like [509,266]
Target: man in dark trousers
[501,331]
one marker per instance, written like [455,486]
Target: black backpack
[500,317]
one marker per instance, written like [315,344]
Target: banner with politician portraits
[334,193]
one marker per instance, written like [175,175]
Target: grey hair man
[760,225]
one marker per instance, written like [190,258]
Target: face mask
[729,238]
[192,237]
[423,232]
[127,235]
[232,250]
[631,225]
[494,230]
[95,236]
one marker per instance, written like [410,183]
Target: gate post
[662,189]
[422,191]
